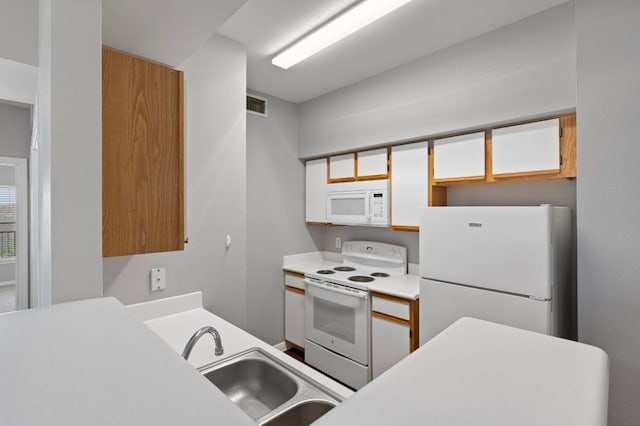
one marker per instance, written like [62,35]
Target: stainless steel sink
[302,414]
[256,386]
[270,391]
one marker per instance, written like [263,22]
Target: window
[7,222]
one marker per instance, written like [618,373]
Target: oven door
[337,318]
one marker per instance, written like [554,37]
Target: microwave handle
[367,206]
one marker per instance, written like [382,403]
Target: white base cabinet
[294,308]
[394,331]
[389,343]
[294,317]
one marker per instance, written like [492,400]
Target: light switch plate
[158,280]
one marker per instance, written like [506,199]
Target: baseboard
[282,346]
[7,283]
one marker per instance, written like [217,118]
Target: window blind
[7,194]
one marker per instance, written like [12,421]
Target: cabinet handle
[186,240]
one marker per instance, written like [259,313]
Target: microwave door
[348,208]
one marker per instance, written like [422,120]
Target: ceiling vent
[257,105]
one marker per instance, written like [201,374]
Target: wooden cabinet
[342,168]
[315,191]
[394,330]
[527,149]
[409,184]
[294,309]
[459,158]
[142,156]
[373,164]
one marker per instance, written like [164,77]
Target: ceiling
[168,31]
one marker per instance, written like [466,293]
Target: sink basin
[301,415]
[254,385]
[269,390]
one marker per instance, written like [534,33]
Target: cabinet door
[294,316]
[342,168]
[459,158]
[390,340]
[315,191]
[532,148]
[409,183]
[142,156]
[373,164]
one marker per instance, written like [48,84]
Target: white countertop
[176,329]
[405,286]
[484,374]
[94,363]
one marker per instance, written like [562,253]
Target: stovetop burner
[360,279]
[344,269]
[380,274]
[325,272]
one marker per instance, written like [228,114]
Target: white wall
[15,131]
[275,213]
[69,158]
[19,31]
[18,82]
[608,204]
[215,193]
[523,70]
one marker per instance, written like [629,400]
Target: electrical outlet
[338,242]
[158,280]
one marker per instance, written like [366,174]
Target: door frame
[22,229]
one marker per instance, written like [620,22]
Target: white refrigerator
[509,265]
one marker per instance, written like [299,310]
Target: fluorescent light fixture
[335,30]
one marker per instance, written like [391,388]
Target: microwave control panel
[378,204]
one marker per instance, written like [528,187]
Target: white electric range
[338,309]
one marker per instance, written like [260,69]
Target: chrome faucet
[197,335]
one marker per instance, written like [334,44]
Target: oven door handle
[357,293]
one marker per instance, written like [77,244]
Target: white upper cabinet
[373,163]
[532,147]
[315,191]
[409,183]
[459,157]
[342,167]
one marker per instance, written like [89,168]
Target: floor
[295,353]
[7,298]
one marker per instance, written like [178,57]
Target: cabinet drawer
[395,308]
[294,279]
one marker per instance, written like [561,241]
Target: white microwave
[358,203]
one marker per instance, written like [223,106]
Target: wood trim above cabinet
[390,318]
[404,228]
[294,274]
[294,289]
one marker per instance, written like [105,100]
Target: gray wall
[7,175]
[608,202]
[69,187]
[523,70]
[15,131]
[19,31]
[215,193]
[275,213]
